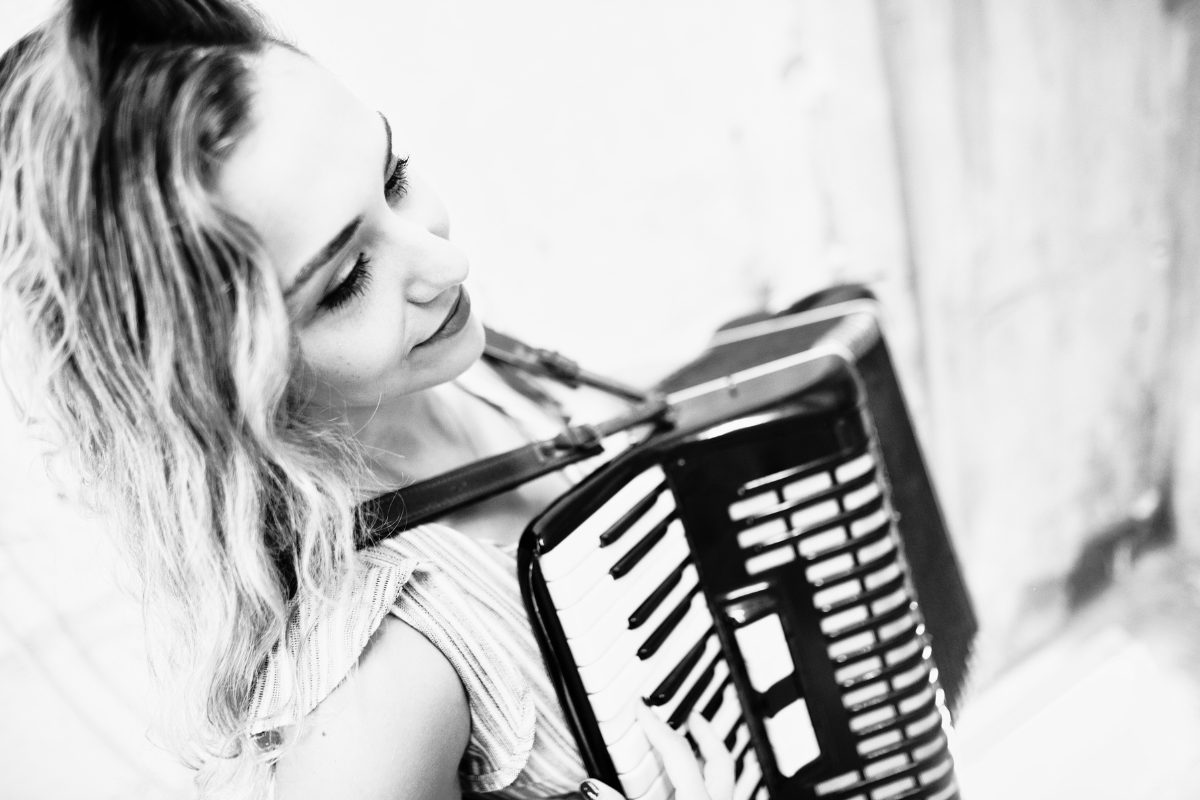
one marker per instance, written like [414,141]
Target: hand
[712,781]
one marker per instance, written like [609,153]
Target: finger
[718,762]
[676,754]
[593,789]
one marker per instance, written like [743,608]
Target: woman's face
[373,285]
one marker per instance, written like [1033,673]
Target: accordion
[776,560]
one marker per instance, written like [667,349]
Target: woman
[245,317]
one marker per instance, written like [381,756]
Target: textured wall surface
[1042,171]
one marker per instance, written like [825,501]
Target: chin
[468,346]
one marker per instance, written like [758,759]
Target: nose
[419,236]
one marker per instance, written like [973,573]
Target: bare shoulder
[396,728]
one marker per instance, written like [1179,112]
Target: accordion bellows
[783,571]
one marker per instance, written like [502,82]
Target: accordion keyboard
[755,575]
[627,594]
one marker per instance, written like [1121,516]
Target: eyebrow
[327,252]
[344,235]
[387,154]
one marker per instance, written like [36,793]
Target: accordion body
[780,567]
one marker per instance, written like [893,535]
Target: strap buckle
[578,439]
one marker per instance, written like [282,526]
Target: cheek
[360,358]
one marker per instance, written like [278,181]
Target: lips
[455,320]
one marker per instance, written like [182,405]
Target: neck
[414,437]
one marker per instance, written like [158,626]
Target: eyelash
[353,286]
[394,189]
[396,185]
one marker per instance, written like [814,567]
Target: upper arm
[395,729]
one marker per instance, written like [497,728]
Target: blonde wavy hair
[145,324]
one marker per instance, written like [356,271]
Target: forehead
[298,174]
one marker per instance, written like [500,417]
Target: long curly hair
[147,327]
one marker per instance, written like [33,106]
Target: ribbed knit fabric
[462,596]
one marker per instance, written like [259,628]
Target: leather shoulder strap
[427,500]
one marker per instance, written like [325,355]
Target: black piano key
[670,684]
[656,639]
[732,737]
[740,763]
[639,550]
[654,600]
[710,709]
[631,516]
[684,708]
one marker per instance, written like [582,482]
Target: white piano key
[661,789]
[860,497]
[747,782]
[638,780]
[764,648]
[662,508]
[741,740]
[719,674]
[628,751]
[649,572]
[608,702]
[711,650]
[614,729]
[639,677]
[580,582]
[807,487]
[853,469]
[684,637]
[614,623]
[586,538]
[728,714]
[569,588]
[753,505]
[624,647]
[792,738]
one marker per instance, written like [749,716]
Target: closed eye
[396,186]
[353,286]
